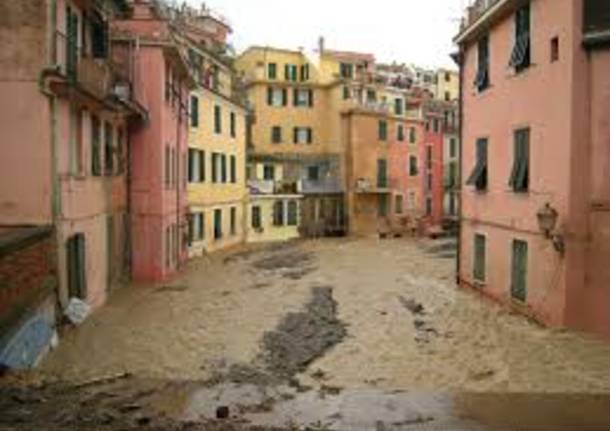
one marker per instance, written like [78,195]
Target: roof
[350,55]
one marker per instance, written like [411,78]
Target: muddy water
[217,315]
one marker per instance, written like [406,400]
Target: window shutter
[287,72]
[202,166]
[269,96]
[295,97]
[284,96]
[295,135]
[309,135]
[310,98]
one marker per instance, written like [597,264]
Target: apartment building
[535,222]
[147,47]
[295,99]
[431,154]
[217,142]
[64,158]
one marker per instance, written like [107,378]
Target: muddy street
[386,315]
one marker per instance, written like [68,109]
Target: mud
[303,337]
[299,339]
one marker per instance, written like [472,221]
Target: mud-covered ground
[298,330]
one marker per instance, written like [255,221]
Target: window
[303,97]
[520,57]
[233,125]
[215,161]
[554,49]
[428,207]
[452,147]
[291,72]
[398,106]
[277,97]
[447,96]
[233,170]
[398,204]
[233,219]
[257,222]
[518,288]
[400,132]
[411,200]
[313,173]
[99,36]
[482,80]
[276,135]
[108,148]
[413,171]
[223,168]
[429,182]
[382,206]
[346,92]
[412,135]
[303,135]
[435,125]
[447,77]
[383,130]
[452,179]
[305,72]
[479,258]
[346,70]
[278,213]
[71,41]
[478,178]
[429,157]
[168,167]
[168,247]
[519,177]
[272,71]
[76,141]
[371,96]
[196,166]
[120,151]
[452,204]
[382,173]
[293,216]
[269,172]
[194,111]
[217,120]
[196,227]
[217,224]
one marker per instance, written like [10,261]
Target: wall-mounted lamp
[547,221]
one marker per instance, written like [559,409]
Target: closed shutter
[310,98]
[479,257]
[284,96]
[191,167]
[214,167]
[295,97]
[287,72]
[194,111]
[519,271]
[309,135]
[269,96]
[295,135]
[223,168]
[202,166]
[233,170]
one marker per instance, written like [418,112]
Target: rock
[222,412]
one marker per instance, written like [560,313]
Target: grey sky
[412,31]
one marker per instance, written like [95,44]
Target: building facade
[147,48]
[69,123]
[217,145]
[534,224]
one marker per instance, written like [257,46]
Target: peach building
[65,141]
[535,218]
[146,47]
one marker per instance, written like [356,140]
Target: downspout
[460,61]
[179,182]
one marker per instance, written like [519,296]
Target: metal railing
[476,10]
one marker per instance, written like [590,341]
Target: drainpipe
[179,183]
[461,176]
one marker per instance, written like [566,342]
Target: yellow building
[448,85]
[216,158]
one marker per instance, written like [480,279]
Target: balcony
[479,12]
[319,187]
[91,77]
[380,187]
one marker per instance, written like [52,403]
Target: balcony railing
[93,75]
[476,10]
[323,186]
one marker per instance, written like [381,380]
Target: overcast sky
[411,31]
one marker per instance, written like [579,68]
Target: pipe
[460,165]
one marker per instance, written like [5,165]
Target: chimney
[321,45]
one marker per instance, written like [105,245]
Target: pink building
[147,49]
[65,138]
[535,222]
[431,156]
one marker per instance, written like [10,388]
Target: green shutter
[284,96]
[519,271]
[269,96]
[309,135]
[310,98]
[479,257]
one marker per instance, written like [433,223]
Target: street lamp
[547,221]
